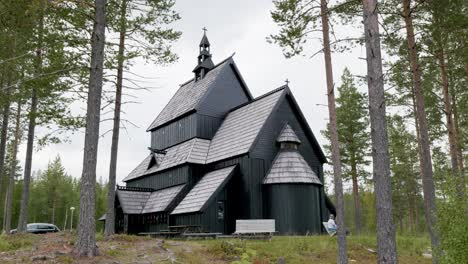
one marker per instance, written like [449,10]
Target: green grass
[16,241]
[318,249]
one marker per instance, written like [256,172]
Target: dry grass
[57,248]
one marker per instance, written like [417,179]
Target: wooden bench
[255,228]
[162,233]
[186,228]
[201,235]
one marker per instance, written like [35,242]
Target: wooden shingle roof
[191,151]
[290,167]
[189,95]
[143,202]
[241,127]
[287,134]
[204,190]
[159,200]
[132,202]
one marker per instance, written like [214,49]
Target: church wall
[226,94]
[249,190]
[185,128]
[295,207]
[172,177]
[266,147]
[175,132]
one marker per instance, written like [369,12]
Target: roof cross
[286,81]
[204,30]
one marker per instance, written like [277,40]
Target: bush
[453,229]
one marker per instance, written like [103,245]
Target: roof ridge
[260,97]
[191,149]
[214,67]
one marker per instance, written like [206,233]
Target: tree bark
[110,215]
[452,135]
[357,205]
[3,139]
[381,162]
[425,152]
[86,242]
[458,137]
[23,216]
[11,184]
[342,257]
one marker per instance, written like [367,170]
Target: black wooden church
[217,154]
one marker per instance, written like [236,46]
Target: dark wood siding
[175,176]
[225,95]
[193,125]
[207,126]
[295,208]
[174,132]
[249,194]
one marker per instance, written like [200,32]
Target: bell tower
[204,62]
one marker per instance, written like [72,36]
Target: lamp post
[71,218]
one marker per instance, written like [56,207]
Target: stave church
[218,154]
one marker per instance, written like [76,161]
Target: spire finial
[286,81]
[204,30]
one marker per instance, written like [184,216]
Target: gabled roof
[288,135]
[290,167]
[241,127]
[208,186]
[159,200]
[132,202]
[191,151]
[191,94]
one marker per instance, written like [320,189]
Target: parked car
[39,228]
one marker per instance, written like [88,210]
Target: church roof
[288,135]
[143,202]
[204,41]
[241,127]
[191,151]
[290,167]
[189,95]
[132,202]
[205,189]
[159,200]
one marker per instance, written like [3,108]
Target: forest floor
[57,248]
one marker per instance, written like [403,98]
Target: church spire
[205,63]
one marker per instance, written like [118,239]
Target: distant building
[218,154]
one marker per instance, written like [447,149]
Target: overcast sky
[233,26]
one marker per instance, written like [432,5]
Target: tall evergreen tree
[381,162]
[353,123]
[425,152]
[145,37]
[86,242]
[297,19]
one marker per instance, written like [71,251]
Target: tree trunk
[110,215]
[86,242]
[11,184]
[380,156]
[452,135]
[458,137]
[357,205]
[341,229]
[425,152]
[23,216]
[3,139]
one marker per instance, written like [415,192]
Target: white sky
[233,26]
